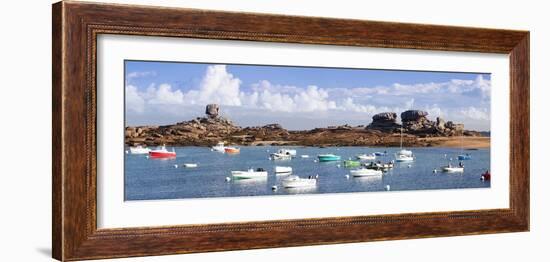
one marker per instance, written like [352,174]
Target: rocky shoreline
[383,131]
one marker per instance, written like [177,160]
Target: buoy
[147,157]
[126,151]
[176,166]
[316,176]
[387,187]
[315,161]
[338,165]
[450,159]
[274,188]
[435,171]
[347,176]
[409,166]
[227,179]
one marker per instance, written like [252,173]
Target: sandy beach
[466,142]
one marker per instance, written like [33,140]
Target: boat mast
[401,140]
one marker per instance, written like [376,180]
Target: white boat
[250,173]
[296,181]
[365,172]
[284,151]
[403,158]
[279,156]
[190,165]
[139,150]
[451,169]
[405,152]
[304,156]
[220,147]
[283,169]
[403,155]
[366,157]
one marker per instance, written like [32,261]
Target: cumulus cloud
[137,74]
[475,113]
[220,86]
[134,100]
[164,95]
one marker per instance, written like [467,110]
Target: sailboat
[403,155]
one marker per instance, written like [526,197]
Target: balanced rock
[385,122]
[416,122]
[212,110]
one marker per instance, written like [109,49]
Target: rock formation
[212,128]
[385,122]
[416,122]
[212,110]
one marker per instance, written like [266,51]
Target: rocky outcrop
[213,128]
[417,122]
[385,122]
[212,110]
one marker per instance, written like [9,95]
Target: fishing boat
[278,156]
[366,157]
[351,163]
[379,166]
[365,172]
[190,165]
[451,169]
[486,176]
[220,147]
[284,151]
[464,157]
[249,174]
[232,150]
[283,169]
[381,153]
[139,150]
[328,157]
[162,152]
[296,181]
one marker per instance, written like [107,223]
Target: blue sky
[299,97]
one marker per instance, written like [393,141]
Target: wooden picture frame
[76,26]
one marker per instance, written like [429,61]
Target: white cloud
[134,101]
[475,113]
[138,74]
[163,95]
[221,87]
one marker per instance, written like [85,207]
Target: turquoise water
[149,179]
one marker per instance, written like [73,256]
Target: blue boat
[328,157]
[464,157]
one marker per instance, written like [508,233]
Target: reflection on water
[147,178]
[301,190]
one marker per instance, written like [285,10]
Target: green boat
[351,163]
[328,157]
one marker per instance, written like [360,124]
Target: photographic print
[203,130]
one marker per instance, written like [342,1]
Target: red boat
[161,152]
[232,150]
[486,176]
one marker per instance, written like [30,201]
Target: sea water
[149,179]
